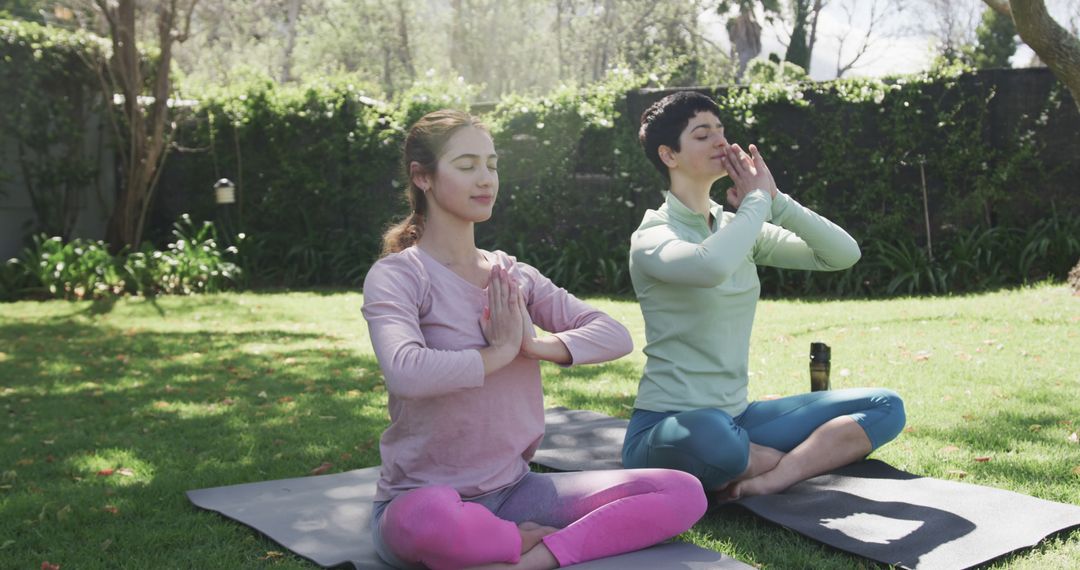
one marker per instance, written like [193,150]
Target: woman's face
[466,181]
[701,145]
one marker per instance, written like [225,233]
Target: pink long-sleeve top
[449,423]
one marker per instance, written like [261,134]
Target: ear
[667,156]
[419,176]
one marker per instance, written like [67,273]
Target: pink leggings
[599,514]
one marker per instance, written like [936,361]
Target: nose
[488,177]
[719,140]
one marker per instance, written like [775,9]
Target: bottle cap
[820,352]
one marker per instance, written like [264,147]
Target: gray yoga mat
[325,519]
[869,509]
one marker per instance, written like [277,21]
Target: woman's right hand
[501,321]
[748,172]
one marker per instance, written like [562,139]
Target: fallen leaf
[968,417]
[1034,427]
[112,509]
[285,399]
[290,360]
[46,565]
[126,472]
[263,394]
[911,429]
[27,461]
[159,404]
[1076,470]
[228,401]
[922,355]
[844,372]
[950,449]
[1073,438]
[321,469]
[106,544]
[64,513]
[957,473]
[271,554]
[982,459]
[106,472]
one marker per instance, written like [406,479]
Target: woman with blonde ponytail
[453,329]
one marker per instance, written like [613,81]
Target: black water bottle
[820,354]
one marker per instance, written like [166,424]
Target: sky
[908,51]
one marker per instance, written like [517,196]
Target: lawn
[113,410]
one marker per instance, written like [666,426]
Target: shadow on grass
[106,429]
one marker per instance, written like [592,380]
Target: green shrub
[84,269]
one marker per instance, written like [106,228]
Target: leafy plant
[84,269]
[912,270]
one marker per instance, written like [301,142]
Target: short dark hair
[664,121]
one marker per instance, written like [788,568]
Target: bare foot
[764,484]
[762,460]
[532,533]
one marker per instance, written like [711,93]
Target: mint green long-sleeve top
[698,289]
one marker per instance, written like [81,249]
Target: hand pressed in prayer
[749,172]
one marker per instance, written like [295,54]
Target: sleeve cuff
[780,206]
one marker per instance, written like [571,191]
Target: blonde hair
[424,145]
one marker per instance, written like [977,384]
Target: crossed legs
[544,521]
[772,444]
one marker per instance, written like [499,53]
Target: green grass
[217,390]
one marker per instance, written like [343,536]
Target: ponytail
[403,234]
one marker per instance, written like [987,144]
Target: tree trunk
[404,51]
[1059,49]
[290,40]
[745,34]
[146,136]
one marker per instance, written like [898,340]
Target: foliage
[766,72]
[995,40]
[317,173]
[798,51]
[52,106]
[85,269]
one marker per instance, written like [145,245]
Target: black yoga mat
[325,519]
[869,509]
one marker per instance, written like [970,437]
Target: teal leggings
[715,447]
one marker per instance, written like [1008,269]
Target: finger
[746,159]
[496,292]
[491,290]
[758,159]
[512,295]
[731,164]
